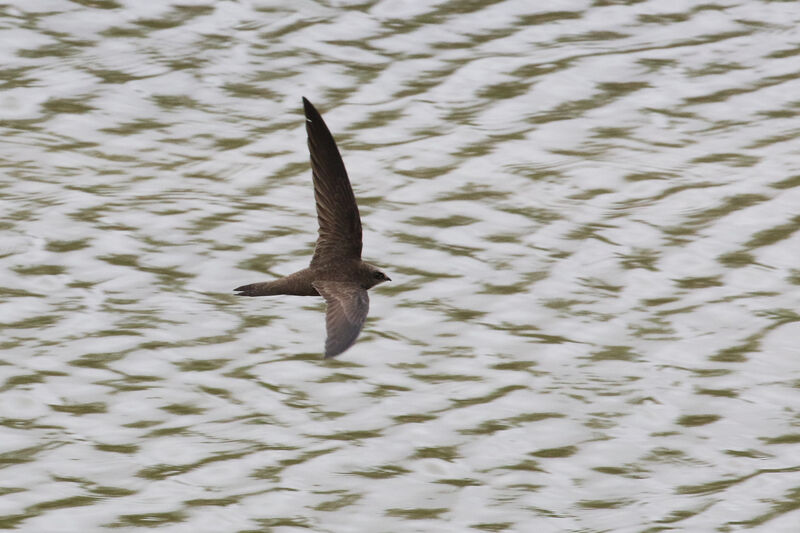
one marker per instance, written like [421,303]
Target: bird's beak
[388,278]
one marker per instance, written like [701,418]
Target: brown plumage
[336,272]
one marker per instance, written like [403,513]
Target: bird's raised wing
[337,212]
[348,305]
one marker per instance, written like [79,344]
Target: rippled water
[590,211]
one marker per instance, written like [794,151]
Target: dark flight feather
[337,211]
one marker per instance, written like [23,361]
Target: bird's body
[301,283]
[336,272]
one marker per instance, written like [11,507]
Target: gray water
[590,211]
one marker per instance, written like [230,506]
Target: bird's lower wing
[348,305]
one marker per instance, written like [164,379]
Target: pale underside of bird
[336,271]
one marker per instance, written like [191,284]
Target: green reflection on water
[550,453]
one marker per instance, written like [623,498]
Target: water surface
[590,214]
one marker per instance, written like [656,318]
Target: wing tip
[332,352]
[309,109]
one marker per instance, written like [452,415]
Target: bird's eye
[378,275]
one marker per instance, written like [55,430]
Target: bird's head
[373,276]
